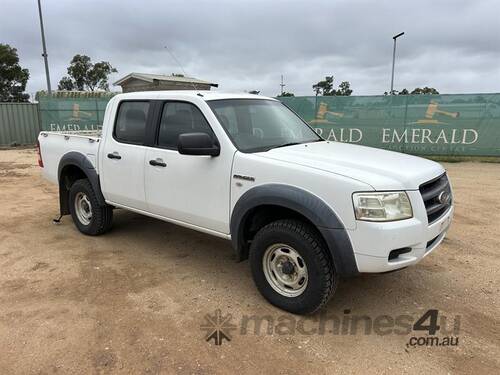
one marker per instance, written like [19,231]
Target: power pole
[394,60]
[282,84]
[44,54]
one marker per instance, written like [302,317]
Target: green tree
[425,90]
[284,94]
[66,84]
[324,87]
[85,75]
[344,89]
[416,91]
[13,78]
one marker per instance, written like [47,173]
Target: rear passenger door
[187,188]
[123,154]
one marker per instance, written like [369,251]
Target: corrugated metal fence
[19,123]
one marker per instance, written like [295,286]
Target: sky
[452,45]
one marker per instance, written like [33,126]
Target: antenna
[180,66]
[282,84]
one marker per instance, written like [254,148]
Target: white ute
[305,211]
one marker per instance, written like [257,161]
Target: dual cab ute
[305,211]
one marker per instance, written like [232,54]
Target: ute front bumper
[384,247]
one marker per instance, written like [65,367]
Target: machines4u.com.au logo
[431,328]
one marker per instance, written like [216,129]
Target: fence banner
[460,124]
[70,111]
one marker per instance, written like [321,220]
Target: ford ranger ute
[305,211]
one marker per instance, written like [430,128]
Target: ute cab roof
[188,94]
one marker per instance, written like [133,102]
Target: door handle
[157,163]
[114,155]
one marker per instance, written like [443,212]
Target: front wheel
[88,215]
[291,266]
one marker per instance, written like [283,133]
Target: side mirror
[197,144]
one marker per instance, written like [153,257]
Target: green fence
[463,125]
[72,111]
[417,124]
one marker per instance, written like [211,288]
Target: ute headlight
[382,206]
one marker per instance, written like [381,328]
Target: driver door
[189,189]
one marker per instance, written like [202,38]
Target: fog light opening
[394,254]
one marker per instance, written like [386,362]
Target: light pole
[394,60]
[44,54]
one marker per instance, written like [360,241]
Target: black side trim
[83,163]
[305,203]
[341,251]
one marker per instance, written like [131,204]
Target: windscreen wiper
[287,144]
[296,143]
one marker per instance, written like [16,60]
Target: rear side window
[178,118]
[131,122]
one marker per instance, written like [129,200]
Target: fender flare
[81,161]
[308,205]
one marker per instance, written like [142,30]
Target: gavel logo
[78,115]
[433,109]
[323,112]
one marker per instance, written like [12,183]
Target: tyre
[89,217]
[291,266]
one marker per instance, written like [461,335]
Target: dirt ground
[134,300]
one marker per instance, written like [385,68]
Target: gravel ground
[134,300]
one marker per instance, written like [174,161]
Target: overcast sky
[453,45]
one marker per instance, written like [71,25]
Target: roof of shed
[163,77]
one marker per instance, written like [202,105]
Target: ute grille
[433,192]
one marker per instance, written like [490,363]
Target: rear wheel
[88,215]
[291,266]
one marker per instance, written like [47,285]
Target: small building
[154,82]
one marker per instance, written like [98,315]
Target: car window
[131,122]
[228,119]
[259,125]
[178,118]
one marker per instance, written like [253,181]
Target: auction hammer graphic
[432,109]
[321,115]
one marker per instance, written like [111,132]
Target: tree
[13,78]
[285,94]
[85,75]
[66,84]
[396,92]
[344,89]
[416,91]
[254,92]
[425,90]
[324,87]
